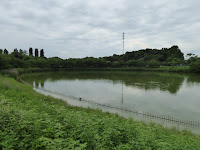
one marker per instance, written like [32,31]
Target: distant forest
[151,58]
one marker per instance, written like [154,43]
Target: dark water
[165,95]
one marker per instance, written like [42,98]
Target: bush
[195,66]
[154,63]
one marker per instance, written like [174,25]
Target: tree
[15,50]
[30,51]
[21,53]
[190,55]
[154,63]
[42,63]
[4,62]
[55,63]
[5,51]
[36,52]
[1,51]
[41,53]
[15,53]
[192,58]
[175,52]
[195,66]
[171,61]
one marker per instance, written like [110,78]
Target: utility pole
[123,37]
[122,100]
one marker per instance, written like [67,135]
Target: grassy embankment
[178,69]
[29,120]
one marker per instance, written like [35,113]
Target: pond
[167,98]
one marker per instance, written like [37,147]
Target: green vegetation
[165,59]
[29,120]
[195,66]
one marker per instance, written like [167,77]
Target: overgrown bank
[177,69]
[29,120]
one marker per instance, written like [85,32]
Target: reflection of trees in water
[193,79]
[38,83]
[144,80]
[42,84]
[156,81]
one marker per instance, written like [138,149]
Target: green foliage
[29,120]
[5,62]
[195,66]
[136,63]
[55,63]
[154,63]
[159,55]
[30,51]
[191,59]
[173,68]
[36,52]
[148,59]
[5,51]
[41,53]
[117,64]
[174,61]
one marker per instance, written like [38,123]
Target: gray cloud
[77,28]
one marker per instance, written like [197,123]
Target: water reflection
[122,92]
[38,83]
[142,80]
[193,79]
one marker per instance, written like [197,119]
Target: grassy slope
[29,120]
[180,69]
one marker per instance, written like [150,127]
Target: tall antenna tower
[123,37]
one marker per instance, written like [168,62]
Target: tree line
[24,52]
[142,58]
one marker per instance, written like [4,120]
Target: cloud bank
[77,28]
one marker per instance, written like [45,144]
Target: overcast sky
[81,28]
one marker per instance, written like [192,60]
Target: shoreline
[176,69]
[184,124]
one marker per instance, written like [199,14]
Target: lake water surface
[174,97]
